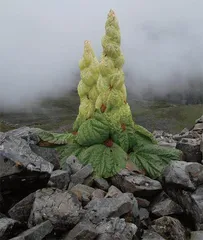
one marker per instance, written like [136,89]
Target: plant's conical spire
[112,97]
[87,87]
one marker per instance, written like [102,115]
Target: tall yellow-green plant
[105,134]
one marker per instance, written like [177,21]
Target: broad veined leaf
[145,133]
[106,161]
[68,150]
[56,138]
[123,136]
[92,132]
[152,158]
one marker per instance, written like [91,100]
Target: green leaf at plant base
[92,131]
[152,158]
[68,150]
[106,161]
[56,138]
[124,137]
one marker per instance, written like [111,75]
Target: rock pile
[38,200]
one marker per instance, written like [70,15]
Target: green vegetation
[104,133]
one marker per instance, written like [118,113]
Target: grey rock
[116,228]
[188,204]
[151,235]
[185,175]
[21,210]
[169,228]
[138,184]
[198,127]
[18,150]
[113,192]
[81,175]
[201,145]
[99,210]
[36,233]
[60,179]
[9,228]
[83,230]
[143,214]
[190,149]
[60,207]
[200,120]
[98,193]
[187,134]
[196,235]
[142,203]
[73,164]
[164,206]
[168,144]
[101,183]
[48,154]
[197,196]
[26,133]
[83,192]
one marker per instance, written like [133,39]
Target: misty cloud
[41,43]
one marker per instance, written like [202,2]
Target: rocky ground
[38,200]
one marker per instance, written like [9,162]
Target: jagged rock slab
[62,208]
[9,228]
[99,210]
[164,206]
[196,235]
[21,210]
[191,149]
[83,230]
[48,154]
[36,233]
[26,133]
[138,184]
[20,168]
[197,196]
[169,228]
[184,175]
[188,204]
[60,179]
[116,229]
[151,235]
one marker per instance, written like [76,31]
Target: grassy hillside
[60,113]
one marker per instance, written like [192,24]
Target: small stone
[83,230]
[191,149]
[169,228]
[138,184]
[101,184]
[60,179]
[113,192]
[196,235]
[99,210]
[142,203]
[98,193]
[164,206]
[74,164]
[38,232]
[21,210]
[83,192]
[151,235]
[81,175]
[9,228]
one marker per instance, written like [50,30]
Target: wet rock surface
[38,200]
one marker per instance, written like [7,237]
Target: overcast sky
[41,43]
